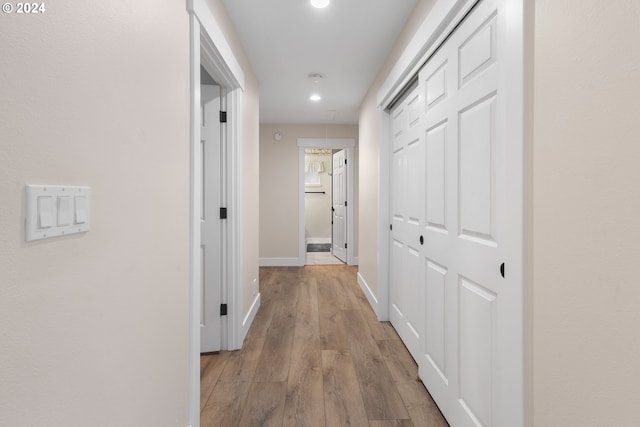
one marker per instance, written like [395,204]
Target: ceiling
[346,42]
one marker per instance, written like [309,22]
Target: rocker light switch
[65,211]
[53,210]
[81,210]
[45,212]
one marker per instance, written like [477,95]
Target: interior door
[471,363]
[210,322]
[406,293]
[455,277]
[339,206]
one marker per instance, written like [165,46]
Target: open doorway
[211,52]
[318,207]
[326,199]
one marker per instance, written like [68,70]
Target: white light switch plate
[54,210]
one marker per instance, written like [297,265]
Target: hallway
[315,355]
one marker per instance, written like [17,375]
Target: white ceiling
[286,40]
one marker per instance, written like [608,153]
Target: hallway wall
[279,184]
[584,210]
[94,327]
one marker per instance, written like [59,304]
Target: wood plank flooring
[315,356]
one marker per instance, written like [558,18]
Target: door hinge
[391,227]
[223,117]
[345,246]
[345,161]
[223,213]
[223,309]
[345,204]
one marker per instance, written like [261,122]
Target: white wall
[94,327]
[279,184]
[585,205]
[317,206]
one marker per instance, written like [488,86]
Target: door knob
[422,240]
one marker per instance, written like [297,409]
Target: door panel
[435,317]
[339,206]
[477,171]
[210,326]
[436,180]
[407,213]
[477,317]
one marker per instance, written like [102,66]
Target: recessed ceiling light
[315,97]
[320,4]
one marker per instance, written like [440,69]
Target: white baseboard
[248,319]
[373,301]
[279,262]
[354,261]
[318,239]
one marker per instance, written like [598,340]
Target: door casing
[210,49]
[348,145]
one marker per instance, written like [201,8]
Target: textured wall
[585,205]
[94,327]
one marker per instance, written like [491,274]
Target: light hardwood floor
[315,356]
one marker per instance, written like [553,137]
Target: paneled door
[473,343]
[339,206]
[210,322]
[456,242]
[406,294]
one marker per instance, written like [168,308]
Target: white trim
[195,299]
[355,261]
[218,54]
[436,27]
[384,203]
[209,49]
[234,204]
[348,145]
[280,262]
[373,301]
[248,319]
[326,143]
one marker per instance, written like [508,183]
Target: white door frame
[348,145]
[439,23]
[210,49]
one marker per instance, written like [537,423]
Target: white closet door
[472,319]
[456,210]
[407,213]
